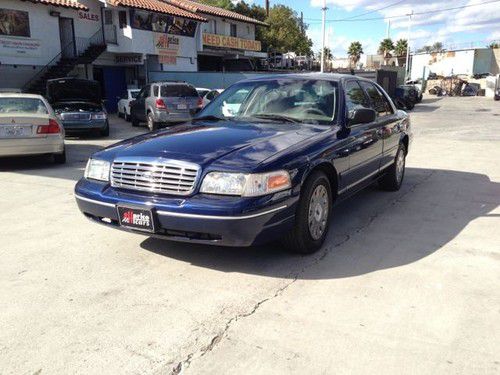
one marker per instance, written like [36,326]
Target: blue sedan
[266,160]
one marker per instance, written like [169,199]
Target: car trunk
[180,98]
[21,125]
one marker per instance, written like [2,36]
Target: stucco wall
[243,30]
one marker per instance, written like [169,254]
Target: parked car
[202,91]
[124,103]
[211,95]
[271,170]
[29,126]
[78,105]
[406,96]
[165,102]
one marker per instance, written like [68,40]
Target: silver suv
[165,103]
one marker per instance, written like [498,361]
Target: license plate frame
[131,211]
[13,131]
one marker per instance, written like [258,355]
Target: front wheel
[312,218]
[393,179]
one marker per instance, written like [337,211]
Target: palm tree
[385,48]
[401,47]
[355,51]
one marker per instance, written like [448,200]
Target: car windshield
[22,105]
[279,100]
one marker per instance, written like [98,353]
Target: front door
[364,144]
[138,106]
[67,37]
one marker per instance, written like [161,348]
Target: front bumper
[224,221]
[82,126]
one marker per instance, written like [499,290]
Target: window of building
[213,26]
[122,19]
[233,30]
[108,17]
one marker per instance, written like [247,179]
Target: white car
[124,103]
[29,126]
[202,91]
[211,95]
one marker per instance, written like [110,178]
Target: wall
[482,60]
[444,63]
[243,30]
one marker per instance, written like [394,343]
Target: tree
[437,47]
[385,48]
[226,4]
[425,49]
[401,47]
[494,45]
[284,33]
[355,51]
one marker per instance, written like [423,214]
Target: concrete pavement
[406,283]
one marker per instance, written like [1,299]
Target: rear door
[387,122]
[365,146]
[180,98]
[138,107]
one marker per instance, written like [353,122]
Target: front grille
[75,116]
[167,177]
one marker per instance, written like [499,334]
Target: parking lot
[408,282]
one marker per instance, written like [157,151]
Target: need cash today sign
[225,41]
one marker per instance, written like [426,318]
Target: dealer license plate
[182,106]
[15,131]
[136,218]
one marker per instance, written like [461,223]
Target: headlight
[97,170]
[245,185]
[99,116]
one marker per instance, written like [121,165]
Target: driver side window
[355,97]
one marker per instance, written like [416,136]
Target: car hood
[72,90]
[231,146]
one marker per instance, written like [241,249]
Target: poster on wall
[20,47]
[14,23]
[167,48]
[161,23]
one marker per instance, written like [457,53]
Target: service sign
[224,41]
[131,59]
[19,47]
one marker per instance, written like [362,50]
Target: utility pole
[323,10]
[388,29]
[267,8]
[302,22]
[408,47]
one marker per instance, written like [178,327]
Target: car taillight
[52,128]
[160,104]
[200,103]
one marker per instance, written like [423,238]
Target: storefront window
[162,23]
[122,19]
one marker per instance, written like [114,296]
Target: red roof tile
[61,3]
[157,6]
[196,7]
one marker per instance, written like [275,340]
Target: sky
[476,26]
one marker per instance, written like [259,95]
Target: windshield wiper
[269,116]
[209,118]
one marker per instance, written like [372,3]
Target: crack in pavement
[185,363]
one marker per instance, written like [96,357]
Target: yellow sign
[225,41]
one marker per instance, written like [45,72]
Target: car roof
[20,95]
[333,77]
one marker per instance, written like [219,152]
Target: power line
[406,15]
[375,10]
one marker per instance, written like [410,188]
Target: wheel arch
[329,170]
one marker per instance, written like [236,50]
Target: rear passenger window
[178,91]
[378,101]
[155,90]
[355,96]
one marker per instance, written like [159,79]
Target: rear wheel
[127,116]
[393,179]
[105,131]
[312,218]
[152,124]
[60,158]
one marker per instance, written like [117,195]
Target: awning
[157,6]
[61,3]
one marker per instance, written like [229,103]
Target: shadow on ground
[371,231]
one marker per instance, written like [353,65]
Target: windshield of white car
[22,105]
[305,101]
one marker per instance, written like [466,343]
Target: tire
[134,120]
[127,117]
[409,105]
[311,222]
[152,124]
[60,158]
[105,131]
[393,179]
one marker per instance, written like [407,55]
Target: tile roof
[61,3]
[157,6]
[196,7]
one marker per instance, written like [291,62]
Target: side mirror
[362,116]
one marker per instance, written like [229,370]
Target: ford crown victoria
[265,160]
